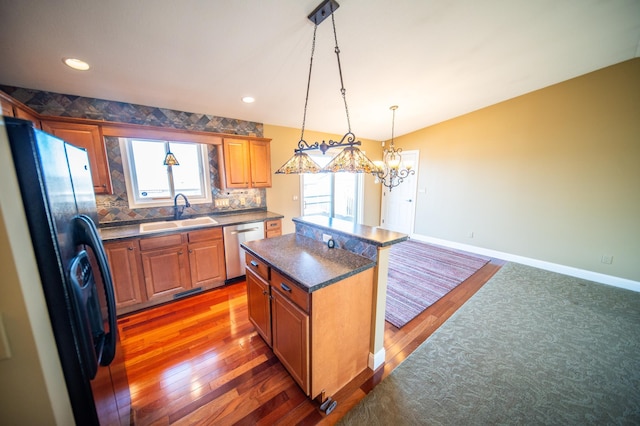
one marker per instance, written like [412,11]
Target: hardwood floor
[200,361]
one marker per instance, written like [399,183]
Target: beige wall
[553,175]
[32,388]
[280,197]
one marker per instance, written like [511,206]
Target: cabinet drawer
[273,224]
[205,235]
[290,290]
[257,265]
[160,242]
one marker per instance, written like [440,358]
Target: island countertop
[309,263]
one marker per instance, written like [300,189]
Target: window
[337,195]
[152,184]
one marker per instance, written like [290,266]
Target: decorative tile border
[61,105]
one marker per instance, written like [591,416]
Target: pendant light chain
[343,91]
[306,99]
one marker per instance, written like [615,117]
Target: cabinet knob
[180,252]
[190,251]
[254,263]
[130,248]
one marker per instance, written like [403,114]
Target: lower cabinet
[124,258]
[259,303]
[321,338]
[152,270]
[166,271]
[291,337]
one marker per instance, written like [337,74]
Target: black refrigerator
[60,206]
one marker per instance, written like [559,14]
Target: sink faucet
[178,210]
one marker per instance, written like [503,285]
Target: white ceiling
[436,59]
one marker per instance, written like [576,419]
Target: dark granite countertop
[132,230]
[373,235]
[310,263]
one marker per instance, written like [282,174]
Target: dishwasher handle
[242,231]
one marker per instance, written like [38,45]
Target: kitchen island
[313,305]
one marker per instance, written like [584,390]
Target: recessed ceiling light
[76,64]
[248,99]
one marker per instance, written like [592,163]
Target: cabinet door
[26,115]
[236,163]
[7,107]
[88,137]
[166,271]
[206,261]
[259,305]
[260,159]
[124,263]
[291,337]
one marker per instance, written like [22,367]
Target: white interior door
[398,208]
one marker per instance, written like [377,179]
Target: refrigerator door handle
[85,232]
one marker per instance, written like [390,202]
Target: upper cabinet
[13,108]
[247,163]
[89,137]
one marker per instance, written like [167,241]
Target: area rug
[531,347]
[420,274]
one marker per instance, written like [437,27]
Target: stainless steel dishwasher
[233,253]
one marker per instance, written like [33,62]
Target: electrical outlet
[606,258]
[242,201]
[258,200]
[470,234]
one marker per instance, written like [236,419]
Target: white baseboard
[377,359]
[549,266]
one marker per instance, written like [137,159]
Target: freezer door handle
[85,232]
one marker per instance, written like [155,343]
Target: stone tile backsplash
[114,208]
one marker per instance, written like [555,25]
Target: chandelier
[390,171]
[350,159]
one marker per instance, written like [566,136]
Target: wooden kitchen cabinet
[152,270]
[259,304]
[260,162]
[89,137]
[273,228]
[13,108]
[166,270]
[206,257]
[247,163]
[124,261]
[291,337]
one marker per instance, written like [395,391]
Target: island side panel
[340,332]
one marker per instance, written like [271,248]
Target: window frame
[130,175]
[358,196]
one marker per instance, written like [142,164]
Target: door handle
[242,231]
[85,232]
[285,287]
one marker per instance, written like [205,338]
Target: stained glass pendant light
[351,159]
[170,159]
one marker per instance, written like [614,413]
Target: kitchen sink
[176,224]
